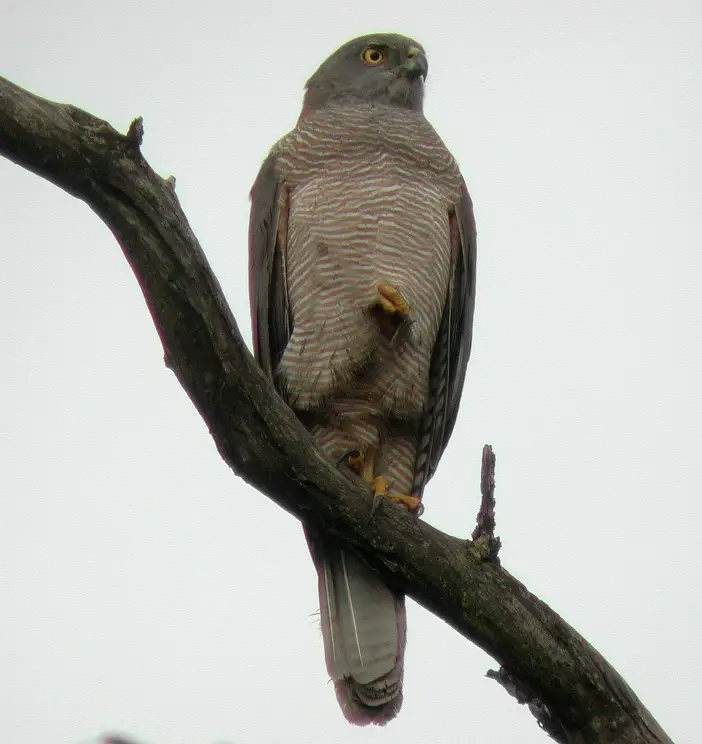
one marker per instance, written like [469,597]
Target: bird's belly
[346,235]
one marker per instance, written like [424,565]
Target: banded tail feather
[364,630]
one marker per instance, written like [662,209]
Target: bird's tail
[364,630]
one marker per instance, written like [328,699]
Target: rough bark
[576,696]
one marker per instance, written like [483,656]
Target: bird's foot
[379,484]
[391,300]
[359,463]
[355,462]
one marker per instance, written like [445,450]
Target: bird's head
[381,68]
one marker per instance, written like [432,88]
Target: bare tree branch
[577,696]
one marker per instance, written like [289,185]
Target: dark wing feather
[452,348]
[270,310]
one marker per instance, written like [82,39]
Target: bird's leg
[395,466]
[368,465]
[391,300]
[363,464]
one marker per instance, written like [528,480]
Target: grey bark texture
[576,696]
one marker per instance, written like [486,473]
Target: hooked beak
[416,64]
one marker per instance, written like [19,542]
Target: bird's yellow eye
[373,56]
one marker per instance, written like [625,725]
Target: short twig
[135,133]
[485,528]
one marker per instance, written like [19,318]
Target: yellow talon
[379,484]
[391,300]
[413,503]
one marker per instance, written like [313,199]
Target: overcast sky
[145,588]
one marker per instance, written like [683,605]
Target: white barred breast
[370,192]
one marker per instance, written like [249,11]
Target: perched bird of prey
[362,284]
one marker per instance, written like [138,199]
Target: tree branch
[575,694]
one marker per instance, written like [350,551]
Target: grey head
[384,69]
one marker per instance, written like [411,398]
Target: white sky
[144,587]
